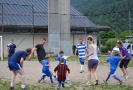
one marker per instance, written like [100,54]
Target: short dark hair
[44,39]
[47,57]
[62,60]
[12,40]
[81,39]
[28,50]
[61,52]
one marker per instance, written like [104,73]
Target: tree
[124,33]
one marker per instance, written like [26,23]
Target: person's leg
[82,64]
[121,66]
[13,79]
[59,84]
[51,80]
[67,78]
[21,72]
[108,77]
[115,77]
[125,68]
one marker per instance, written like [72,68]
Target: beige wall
[28,41]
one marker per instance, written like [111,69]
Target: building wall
[28,41]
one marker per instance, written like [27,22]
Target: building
[26,21]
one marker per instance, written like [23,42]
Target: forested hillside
[113,13]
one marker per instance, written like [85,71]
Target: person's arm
[21,62]
[56,69]
[15,48]
[33,50]
[91,52]
[76,51]
[86,50]
[125,53]
[68,69]
[7,51]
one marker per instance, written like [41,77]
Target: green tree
[111,43]
[124,33]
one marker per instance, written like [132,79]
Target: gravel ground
[33,73]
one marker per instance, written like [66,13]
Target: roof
[21,12]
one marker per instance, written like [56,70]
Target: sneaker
[127,77]
[88,83]
[123,75]
[68,79]
[11,88]
[120,82]
[96,82]
[105,81]
[23,89]
[80,71]
[39,81]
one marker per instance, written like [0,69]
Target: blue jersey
[17,56]
[81,48]
[114,60]
[59,57]
[11,48]
[45,66]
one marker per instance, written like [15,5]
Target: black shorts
[124,63]
[92,63]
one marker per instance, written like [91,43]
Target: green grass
[76,59]
[4,85]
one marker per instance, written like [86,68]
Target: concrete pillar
[59,25]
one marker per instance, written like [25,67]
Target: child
[65,57]
[61,72]
[46,70]
[113,60]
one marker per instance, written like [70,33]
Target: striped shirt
[81,48]
[61,71]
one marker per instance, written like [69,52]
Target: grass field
[4,85]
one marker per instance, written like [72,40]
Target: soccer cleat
[39,81]
[105,81]
[127,77]
[23,89]
[120,82]
[96,82]
[11,88]
[88,84]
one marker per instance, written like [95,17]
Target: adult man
[82,50]
[40,51]
[15,64]
[11,48]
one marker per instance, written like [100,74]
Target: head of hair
[61,52]
[44,39]
[115,53]
[81,39]
[62,60]
[47,57]
[120,43]
[90,38]
[28,50]
[12,40]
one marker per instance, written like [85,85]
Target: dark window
[128,47]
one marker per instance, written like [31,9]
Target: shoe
[127,77]
[39,81]
[80,71]
[63,85]
[96,82]
[11,88]
[68,79]
[123,75]
[88,84]
[120,82]
[105,81]
[23,89]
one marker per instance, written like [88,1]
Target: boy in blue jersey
[61,55]
[82,51]
[11,48]
[15,64]
[46,70]
[113,60]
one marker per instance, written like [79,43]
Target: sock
[82,67]
[22,86]
[115,77]
[108,78]
[11,85]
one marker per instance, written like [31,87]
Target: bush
[104,49]
[111,43]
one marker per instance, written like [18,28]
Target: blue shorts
[112,71]
[81,60]
[47,73]
[13,66]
